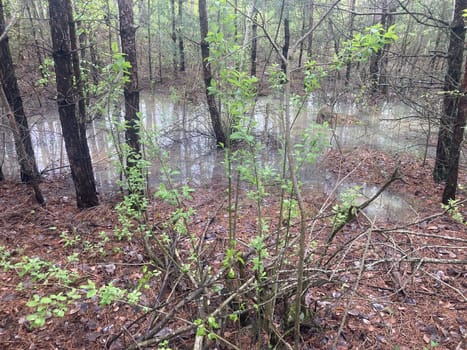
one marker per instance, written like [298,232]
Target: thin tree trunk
[83,44]
[375,60]
[451,101]
[181,48]
[78,82]
[336,43]
[389,9]
[302,43]
[310,25]
[73,129]
[348,67]
[108,21]
[27,161]
[34,36]
[83,41]
[235,20]
[94,62]
[131,91]
[254,42]
[285,47]
[151,77]
[216,122]
[40,9]
[159,26]
[173,36]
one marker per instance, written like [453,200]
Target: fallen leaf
[110,268]
[426,338]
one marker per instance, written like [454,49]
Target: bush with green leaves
[262,275]
[47,274]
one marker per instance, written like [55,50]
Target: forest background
[266,262]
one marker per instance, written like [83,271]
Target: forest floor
[421,305]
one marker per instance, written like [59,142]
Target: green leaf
[36,320]
[59,312]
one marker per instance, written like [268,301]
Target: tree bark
[159,39]
[351,28]
[27,161]
[383,83]
[173,36]
[181,45]
[285,47]
[302,43]
[83,40]
[450,189]
[73,129]
[310,25]
[131,90]
[376,62]
[451,99]
[94,62]
[20,149]
[78,82]
[254,42]
[151,75]
[207,75]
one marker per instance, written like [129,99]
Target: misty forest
[233,174]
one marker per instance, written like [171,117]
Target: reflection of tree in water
[182,132]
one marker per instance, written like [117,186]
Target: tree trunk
[34,35]
[213,110]
[151,75]
[94,62]
[449,192]
[451,100]
[83,41]
[173,36]
[78,82]
[20,149]
[181,48]
[254,42]
[351,25]
[27,161]
[131,91]
[73,129]
[375,60]
[302,43]
[383,83]
[309,50]
[374,69]
[285,47]
[159,37]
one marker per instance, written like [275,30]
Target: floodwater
[183,132]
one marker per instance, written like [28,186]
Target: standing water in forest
[183,133]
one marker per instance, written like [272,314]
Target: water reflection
[387,206]
[183,130]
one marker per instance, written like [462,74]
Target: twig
[422,234]
[354,210]
[446,284]
[192,296]
[354,290]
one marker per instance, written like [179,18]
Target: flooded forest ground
[394,276]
